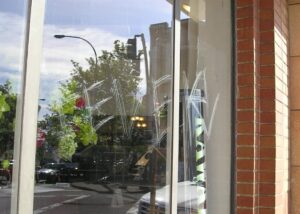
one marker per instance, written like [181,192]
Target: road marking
[52,206]
[63,185]
[117,199]
[40,189]
[53,196]
[45,196]
[72,195]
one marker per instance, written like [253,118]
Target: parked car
[49,173]
[57,172]
[70,172]
[190,199]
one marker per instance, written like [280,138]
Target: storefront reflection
[103,130]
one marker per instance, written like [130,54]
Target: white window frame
[176,24]
[27,108]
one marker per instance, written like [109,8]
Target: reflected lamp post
[57,36]
[39,106]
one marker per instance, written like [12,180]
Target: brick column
[247,115]
[262,107]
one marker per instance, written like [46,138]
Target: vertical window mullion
[175,105]
[26,121]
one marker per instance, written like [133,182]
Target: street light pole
[78,37]
[145,57]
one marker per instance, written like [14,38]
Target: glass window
[205,100]
[104,141]
[12,36]
[103,137]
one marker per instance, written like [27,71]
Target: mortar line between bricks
[293,4]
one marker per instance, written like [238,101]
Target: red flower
[39,143]
[42,135]
[80,103]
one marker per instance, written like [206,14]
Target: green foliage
[68,99]
[111,66]
[67,145]
[75,125]
[7,117]
[80,119]
[4,107]
[86,133]
[5,164]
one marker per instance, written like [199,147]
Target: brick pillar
[247,116]
[262,107]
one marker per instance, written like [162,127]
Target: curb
[109,190]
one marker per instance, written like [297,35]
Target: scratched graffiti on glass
[90,114]
[196,126]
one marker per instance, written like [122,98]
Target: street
[51,198]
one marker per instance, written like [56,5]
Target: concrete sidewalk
[107,188]
[101,188]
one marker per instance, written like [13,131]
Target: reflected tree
[111,87]
[8,101]
[95,104]
[112,66]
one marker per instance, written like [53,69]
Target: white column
[175,104]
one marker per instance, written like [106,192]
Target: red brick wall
[262,107]
[247,116]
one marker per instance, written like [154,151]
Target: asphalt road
[50,199]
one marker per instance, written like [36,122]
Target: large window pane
[12,36]
[103,138]
[205,144]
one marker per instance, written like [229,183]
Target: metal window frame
[27,109]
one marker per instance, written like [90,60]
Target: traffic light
[131,49]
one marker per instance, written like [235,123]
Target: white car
[190,198]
